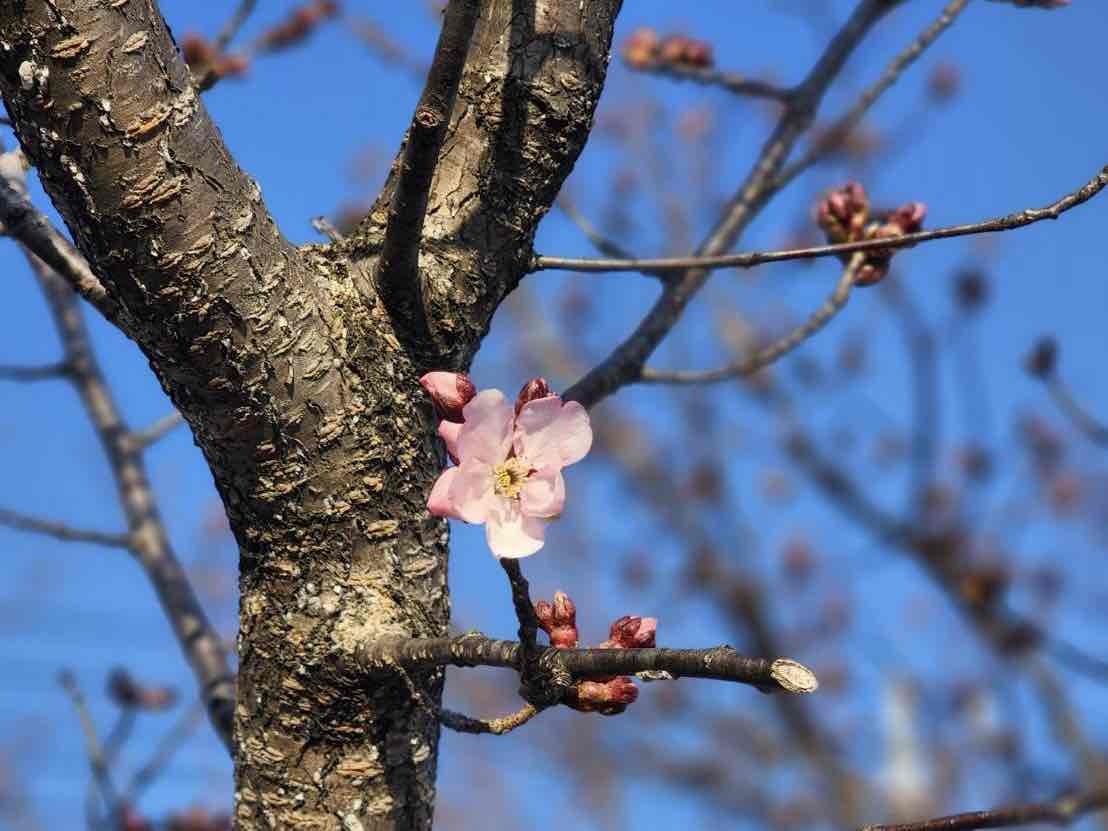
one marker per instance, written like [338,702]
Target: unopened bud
[843,213]
[533,390]
[558,620]
[450,392]
[1043,358]
[608,698]
[632,632]
[908,219]
[641,49]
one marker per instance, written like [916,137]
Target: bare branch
[142,439]
[1093,429]
[1060,811]
[849,120]
[398,268]
[46,372]
[570,665]
[835,303]
[98,762]
[234,24]
[167,748]
[22,221]
[61,531]
[730,81]
[461,723]
[998,224]
[625,363]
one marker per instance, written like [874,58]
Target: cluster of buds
[844,216]
[209,63]
[194,819]
[607,696]
[129,694]
[298,25]
[645,50]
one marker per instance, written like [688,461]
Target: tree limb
[398,277]
[61,530]
[1060,811]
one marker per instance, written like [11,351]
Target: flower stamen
[508,478]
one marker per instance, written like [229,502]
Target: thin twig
[142,439]
[1060,811]
[461,723]
[22,221]
[398,267]
[1082,419]
[604,244]
[835,303]
[730,81]
[849,120]
[746,260]
[46,372]
[721,663]
[98,762]
[524,608]
[167,748]
[234,24]
[61,530]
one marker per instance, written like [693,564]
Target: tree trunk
[300,389]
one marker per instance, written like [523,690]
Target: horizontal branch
[782,346]
[730,81]
[748,260]
[721,663]
[1061,811]
[158,430]
[46,372]
[60,530]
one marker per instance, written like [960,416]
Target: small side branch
[47,372]
[721,663]
[142,439]
[1092,428]
[398,269]
[460,723]
[61,531]
[835,303]
[1008,222]
[1061,811]
[730,81]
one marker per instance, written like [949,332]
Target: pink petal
[544,493]
[448,432]
[471,494]
[439,502]
[487,433]
[549,432]
[511,534]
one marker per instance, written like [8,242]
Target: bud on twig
[558,620]
[450,392]
[608,698]
[1043,358]
[631,632]
[531,391]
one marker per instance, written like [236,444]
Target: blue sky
[1028,126]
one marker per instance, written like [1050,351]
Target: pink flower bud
[558,620]
[450,392]
[843,213]
[908,218]
[631,632]
[531,391]
[605,697]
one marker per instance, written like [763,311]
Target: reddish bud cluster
[199,819]
[944,82]
[209,63]
[644,49]
[128,693]
[844,216]
[1043,358]
[607,696]
[298,25]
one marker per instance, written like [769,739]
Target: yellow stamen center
[508,478]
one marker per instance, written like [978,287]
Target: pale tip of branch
[793,676]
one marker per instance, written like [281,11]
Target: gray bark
[300,389]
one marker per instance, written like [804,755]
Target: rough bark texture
[300,391]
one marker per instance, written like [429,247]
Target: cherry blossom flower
[509,467]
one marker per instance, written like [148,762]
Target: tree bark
[300,389]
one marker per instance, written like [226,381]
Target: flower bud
[631,632]
[608,698]
[1043,358]
[843,213]
[558,620]
[450,392]
[531,391]
[907,219]
[641,49]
